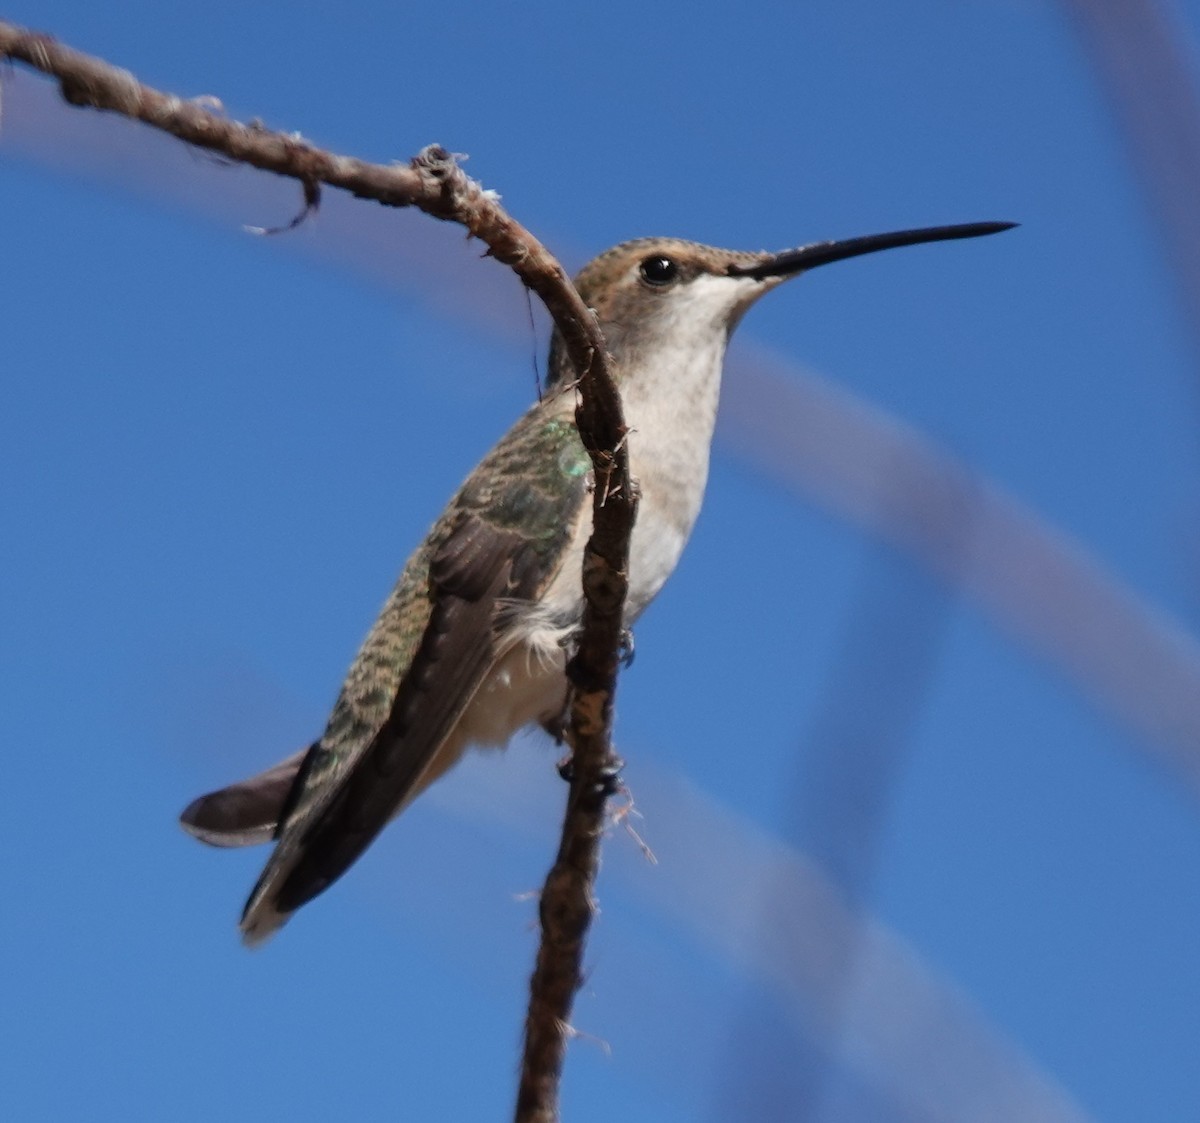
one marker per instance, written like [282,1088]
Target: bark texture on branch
[434,183]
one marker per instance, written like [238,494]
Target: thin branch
[434,183]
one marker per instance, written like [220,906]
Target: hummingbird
[473,642]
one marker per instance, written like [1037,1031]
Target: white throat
[670,389]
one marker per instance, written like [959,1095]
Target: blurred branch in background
[837,804]
[873,699]
[1034,582]
[1141,52]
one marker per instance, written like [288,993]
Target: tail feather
[245,813]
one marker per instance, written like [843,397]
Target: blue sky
[912,863]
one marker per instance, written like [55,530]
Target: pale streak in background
[1144,60]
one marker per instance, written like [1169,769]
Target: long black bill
[822,253]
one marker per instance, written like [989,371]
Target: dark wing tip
[246,813]
[228,818]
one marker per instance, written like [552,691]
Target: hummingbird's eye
[658,271]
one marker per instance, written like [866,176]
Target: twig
[434,183]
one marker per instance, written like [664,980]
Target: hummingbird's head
[656,293]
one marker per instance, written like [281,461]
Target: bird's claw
[626,649]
